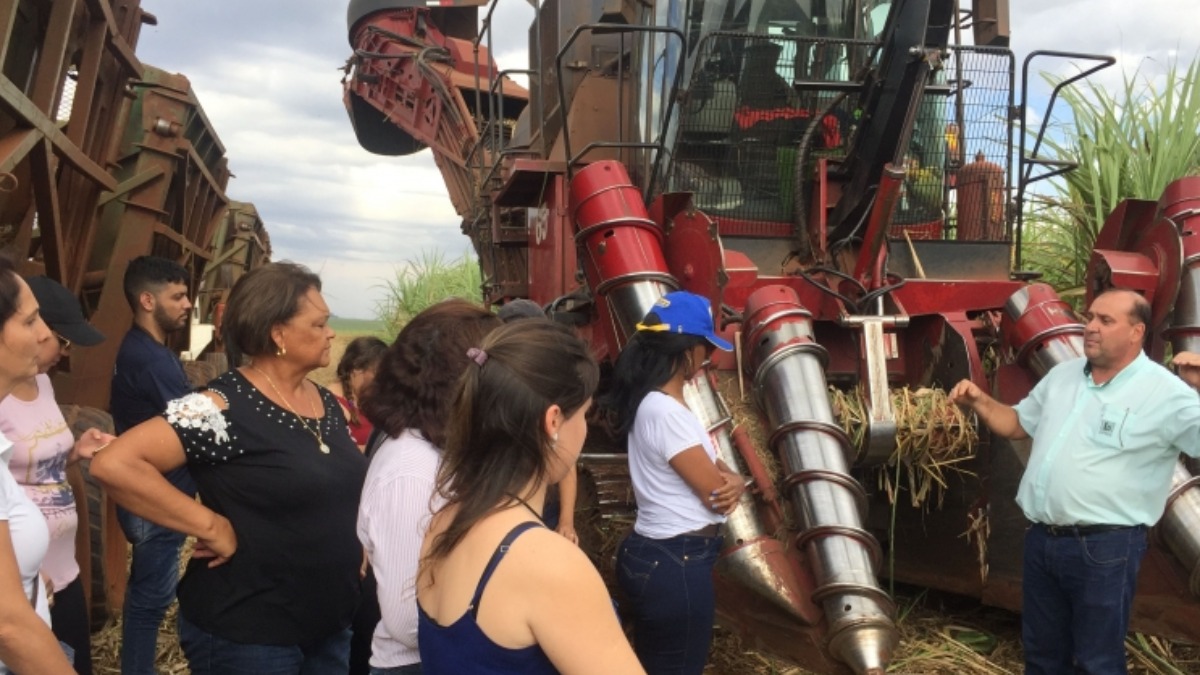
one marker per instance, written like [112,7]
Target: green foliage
[357,327]
[424,282]
[1128,144]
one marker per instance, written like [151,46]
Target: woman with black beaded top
[274,580]
[497,591]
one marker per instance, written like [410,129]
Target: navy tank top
[462,648]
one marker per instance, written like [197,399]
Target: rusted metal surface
[239,244]
[62,102]
[103,159]
[168,199]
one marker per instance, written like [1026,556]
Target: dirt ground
[938,635]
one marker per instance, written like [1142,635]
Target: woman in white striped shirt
[410,401]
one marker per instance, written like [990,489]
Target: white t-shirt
[667,507]
[28,531]
[393,516]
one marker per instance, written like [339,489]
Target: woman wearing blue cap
[683,490]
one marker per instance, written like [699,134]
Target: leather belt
[713,530]
[1081,530]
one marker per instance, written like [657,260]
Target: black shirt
[295,575]
[146,376]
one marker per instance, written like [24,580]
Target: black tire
[80,419]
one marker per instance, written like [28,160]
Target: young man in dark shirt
[148,375]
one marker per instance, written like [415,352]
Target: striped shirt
[397,502]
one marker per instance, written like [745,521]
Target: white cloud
[267,73]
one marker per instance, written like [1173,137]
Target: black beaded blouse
[295,575]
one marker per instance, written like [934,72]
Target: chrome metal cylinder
[1040,330]
[1180,524]
[752,556]
[625,267]
[1184,332]
[828,504]
[629,302]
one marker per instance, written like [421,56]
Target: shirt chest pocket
[1116,428]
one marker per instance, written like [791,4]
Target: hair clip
[477,355]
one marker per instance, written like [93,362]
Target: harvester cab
[837,178]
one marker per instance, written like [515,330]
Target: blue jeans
[669,586]
[1078,591]
[153,576]
[208,654]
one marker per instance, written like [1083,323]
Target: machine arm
[916,34]
[409,86]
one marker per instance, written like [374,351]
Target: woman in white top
[410,400]
[26,643]
[683,490]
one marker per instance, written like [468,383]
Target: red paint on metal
[1046,318]
[890,186]
[617,237]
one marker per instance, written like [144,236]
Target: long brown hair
[497,442]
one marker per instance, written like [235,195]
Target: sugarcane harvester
[835,177]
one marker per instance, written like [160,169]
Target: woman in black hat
[43,447]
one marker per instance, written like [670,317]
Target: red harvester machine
[838,178]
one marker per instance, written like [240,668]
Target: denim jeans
[208,654]
[1077,592]
[669,586]
[153,576]
[69,620]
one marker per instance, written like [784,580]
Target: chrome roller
[751,557]
[829,505]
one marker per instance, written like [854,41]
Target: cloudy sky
[268,74]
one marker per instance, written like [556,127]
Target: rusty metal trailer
[103,159]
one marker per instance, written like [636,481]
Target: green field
[356,327]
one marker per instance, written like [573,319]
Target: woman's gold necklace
[316,433]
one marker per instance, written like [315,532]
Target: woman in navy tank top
[498,592]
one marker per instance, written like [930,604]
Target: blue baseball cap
[687,314]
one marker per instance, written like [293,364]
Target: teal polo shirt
[1103,454]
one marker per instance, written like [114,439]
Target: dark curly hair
[415,380]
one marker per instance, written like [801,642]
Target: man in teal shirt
[1107,430]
